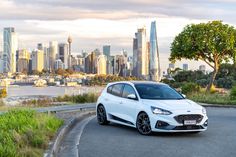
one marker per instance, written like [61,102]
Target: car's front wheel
[143,124]
[101,115]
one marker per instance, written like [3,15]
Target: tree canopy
[213,42]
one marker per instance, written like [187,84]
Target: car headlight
[204,110]
[156,110]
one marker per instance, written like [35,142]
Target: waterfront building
[101,65]
[59,64]
[110,65]
[107,50]
[10,45]
[119,65]
[140,54]
[22,64]
[185,67]
[64,54]
[53,50]
[37,60]
[154,69]
[45,49]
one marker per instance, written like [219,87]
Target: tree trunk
[213,76]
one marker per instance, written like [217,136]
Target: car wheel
[143,124]
[101,115]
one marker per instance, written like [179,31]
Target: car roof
[137,82]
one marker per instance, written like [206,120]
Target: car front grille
[182,118]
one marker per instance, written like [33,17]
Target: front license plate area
[190,122]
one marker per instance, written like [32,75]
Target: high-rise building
[64,54]
[37,60]
[140,54]
[120,65]
[90,62]
[59,64]
[42,47]
[23,57]
[185,67]
[69,40]
[53,50]
[110,65]
[154,71]
[1,62]
[101,65]
[10,46]
[107,50]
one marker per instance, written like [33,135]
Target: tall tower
[69,40]
[154,69]
[140,54]
[10,46]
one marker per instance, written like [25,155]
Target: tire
[101,115]
[143,124]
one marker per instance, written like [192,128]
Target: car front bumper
[168,123]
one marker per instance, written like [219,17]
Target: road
[119,141]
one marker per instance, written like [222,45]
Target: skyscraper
[53,50]
[69,40]
[154,69]
[10,46]
[37,60]
[140,54]
[107,50]
[23,60]
[1,62]
[64,54]
[101,65]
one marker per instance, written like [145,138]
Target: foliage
[26,133]
[212,42]
[84,98]
[3,93]
[190,88]
[233,93]
[104,79]
[225,82]
[189,76]
[202,82]
[212,98]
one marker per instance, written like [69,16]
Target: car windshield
[157,91]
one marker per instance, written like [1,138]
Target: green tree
[212,42]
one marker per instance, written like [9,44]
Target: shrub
[233,93]
[190,88]
[3,93]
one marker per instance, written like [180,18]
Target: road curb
[216,105]
[66,128]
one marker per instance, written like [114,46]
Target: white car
[149,107]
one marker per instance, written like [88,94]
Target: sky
[94,23]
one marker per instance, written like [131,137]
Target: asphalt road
[119,141]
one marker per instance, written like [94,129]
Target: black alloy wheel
[143,124]
[101,115]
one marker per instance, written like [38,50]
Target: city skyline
[115,21]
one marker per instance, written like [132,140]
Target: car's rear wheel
[101,115]
[143,124]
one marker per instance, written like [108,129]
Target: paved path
[119,141]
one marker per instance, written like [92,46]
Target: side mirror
[184,95]
[132,96]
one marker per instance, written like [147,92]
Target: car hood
[173,105]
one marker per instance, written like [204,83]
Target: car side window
[109,89]
[127,91]
[117,89]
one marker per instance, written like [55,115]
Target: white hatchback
[149,106]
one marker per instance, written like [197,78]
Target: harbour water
[50,91]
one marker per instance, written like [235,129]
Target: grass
[84,98]
[25,133]
[212,98]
